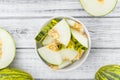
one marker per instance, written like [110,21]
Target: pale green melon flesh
[68,54]
[64,33]
[48,39]
[80,38]
[50,56]
[97,7]
[63,29]
[8,48]
[64,64]
[70,22]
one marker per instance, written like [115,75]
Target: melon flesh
[75,25]
[7,48]
[64,64]
[68,54]
[50,56]
[48,39]
[63,34]
[80,38]
[98,7]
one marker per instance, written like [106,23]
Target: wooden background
[24,18]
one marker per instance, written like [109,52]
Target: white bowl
[76,64]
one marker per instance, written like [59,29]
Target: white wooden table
[23,19]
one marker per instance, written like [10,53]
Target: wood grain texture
[105,32]
[35,8]
[24,18]
[28,60]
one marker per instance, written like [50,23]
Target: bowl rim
[87,52]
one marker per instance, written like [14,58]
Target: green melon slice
[7,48]
[98,7]
[50,56]
[80,38]
[68,54]
[63,30]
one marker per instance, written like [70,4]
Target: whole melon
[108,72]
[14,74]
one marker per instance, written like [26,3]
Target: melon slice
[98,7]
[7,48]
[60,32]
[83,40]
[50,56]
[68,54]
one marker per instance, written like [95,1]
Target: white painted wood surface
[24,18]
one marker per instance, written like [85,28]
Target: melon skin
[8,48]
[14,74]
[64,34]
[98,12]
[44,31]
[108,72]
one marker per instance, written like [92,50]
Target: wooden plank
[105,32]
[28,60]
[64,79]
[34,8]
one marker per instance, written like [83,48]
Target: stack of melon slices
[64,43]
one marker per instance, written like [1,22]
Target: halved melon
[83,40]
[98,7]
[61,32]
[7,48]
[50,56]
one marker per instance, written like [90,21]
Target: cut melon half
[7,48]
[60,32]
[83,40]
[50,56]
[99,7]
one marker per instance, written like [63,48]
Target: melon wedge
[7,48]
[98,7]
[50,56]
[62,31]
[80,38]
